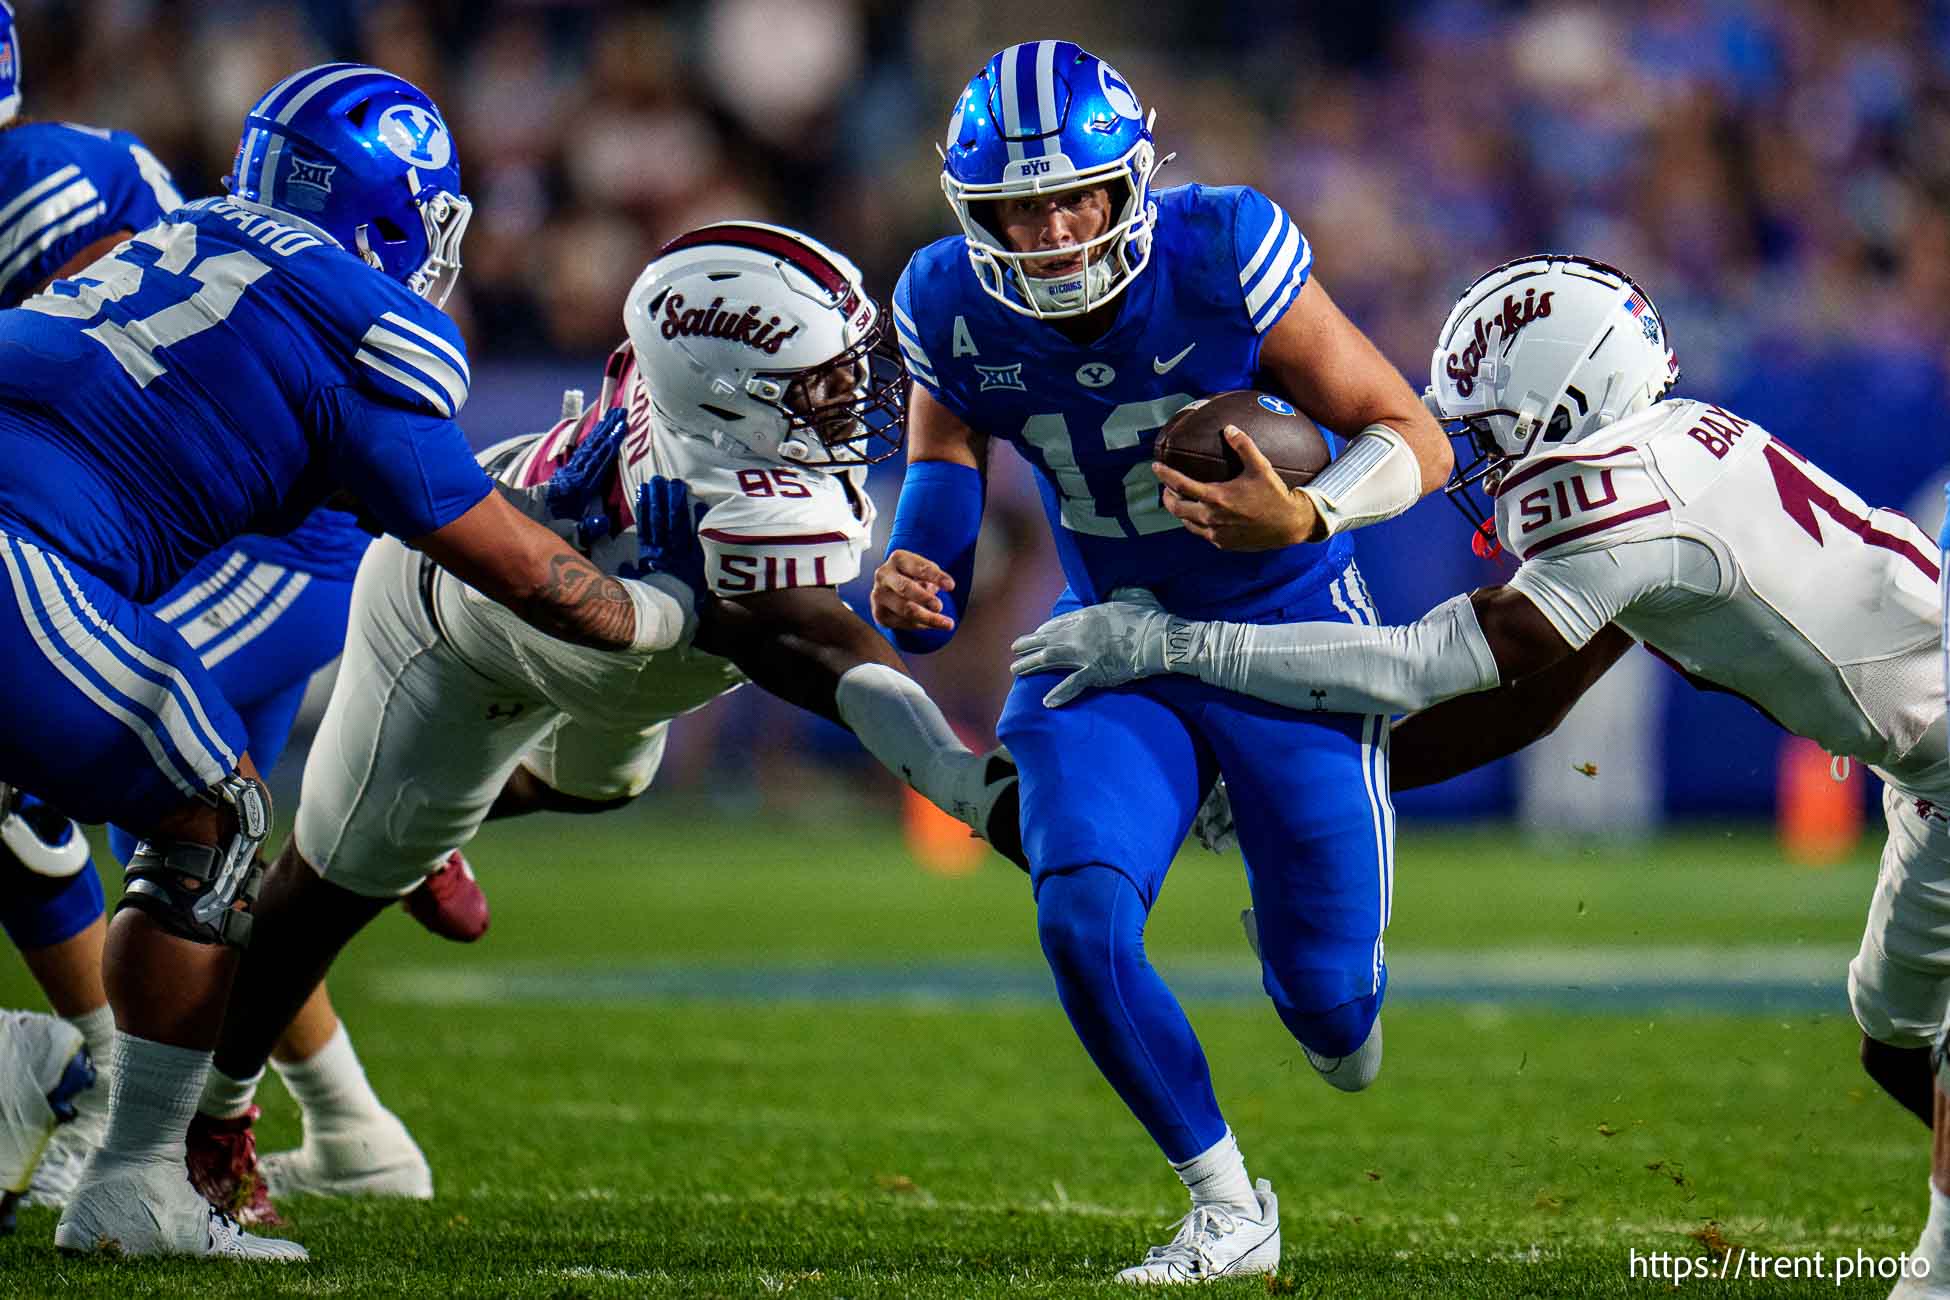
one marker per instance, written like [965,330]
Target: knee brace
[192,890]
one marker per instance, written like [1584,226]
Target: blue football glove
[576,490]
[666,534]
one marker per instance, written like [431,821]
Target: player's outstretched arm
[1467,644]
[805,646]
[508,557]
[922,586]
[1332,371]
[1462,734]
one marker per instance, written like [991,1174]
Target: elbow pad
[939,517]
[1375,477]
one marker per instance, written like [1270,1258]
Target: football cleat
[1353,1072]
[222,1160]
[1350,1073]
[379,1158]
[149,1208]
[450,902]
[1214,1241]
[44,1067]
[68,1150]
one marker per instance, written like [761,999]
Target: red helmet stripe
[773,244]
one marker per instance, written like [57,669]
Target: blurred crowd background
[1776,173]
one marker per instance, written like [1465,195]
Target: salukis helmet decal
[1040,118]
[1541,352]
[756,335]
[365,157]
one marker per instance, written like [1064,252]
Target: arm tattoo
[578,603]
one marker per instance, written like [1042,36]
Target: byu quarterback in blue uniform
[1075,313]
[219,374]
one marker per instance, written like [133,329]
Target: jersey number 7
[1802,494]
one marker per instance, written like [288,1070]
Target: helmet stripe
[1011,105]
[771,243]
[306,95]
[268,101]
[1029,125]
[268,175]
[1046,92]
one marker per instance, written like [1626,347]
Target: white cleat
[1350,1073]
[379,1158]
[72,1144]
[1356,1070]
[43,1068]
[149,1208]
[1213,1242]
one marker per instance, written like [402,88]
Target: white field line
[1490,973]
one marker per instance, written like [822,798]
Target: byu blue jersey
[1226,266]
[222,373]
[62,187]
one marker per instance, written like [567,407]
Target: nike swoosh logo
[1164,366]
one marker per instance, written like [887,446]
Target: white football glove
[1107,645]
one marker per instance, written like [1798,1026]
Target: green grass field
[638,1084]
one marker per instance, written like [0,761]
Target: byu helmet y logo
[415,136]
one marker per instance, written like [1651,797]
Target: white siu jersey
[1746,566]
[766,526]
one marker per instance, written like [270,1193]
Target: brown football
[1193,441]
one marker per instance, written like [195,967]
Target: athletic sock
[156,1087]
[98,1032]
[227,1098]
[1217,1176]
[330,1085]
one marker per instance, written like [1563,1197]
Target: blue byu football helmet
[9,64]
[1041,117]
[365,157]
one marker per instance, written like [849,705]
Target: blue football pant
[259,632]
[262,630]
[1110,783]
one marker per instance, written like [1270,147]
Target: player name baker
[747,328]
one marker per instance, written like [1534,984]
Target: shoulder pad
[907,333]
[772,528]
[410,354]
[1273,258]
[1581,500]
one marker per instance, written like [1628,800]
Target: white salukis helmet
[1540,352]
[758,336]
